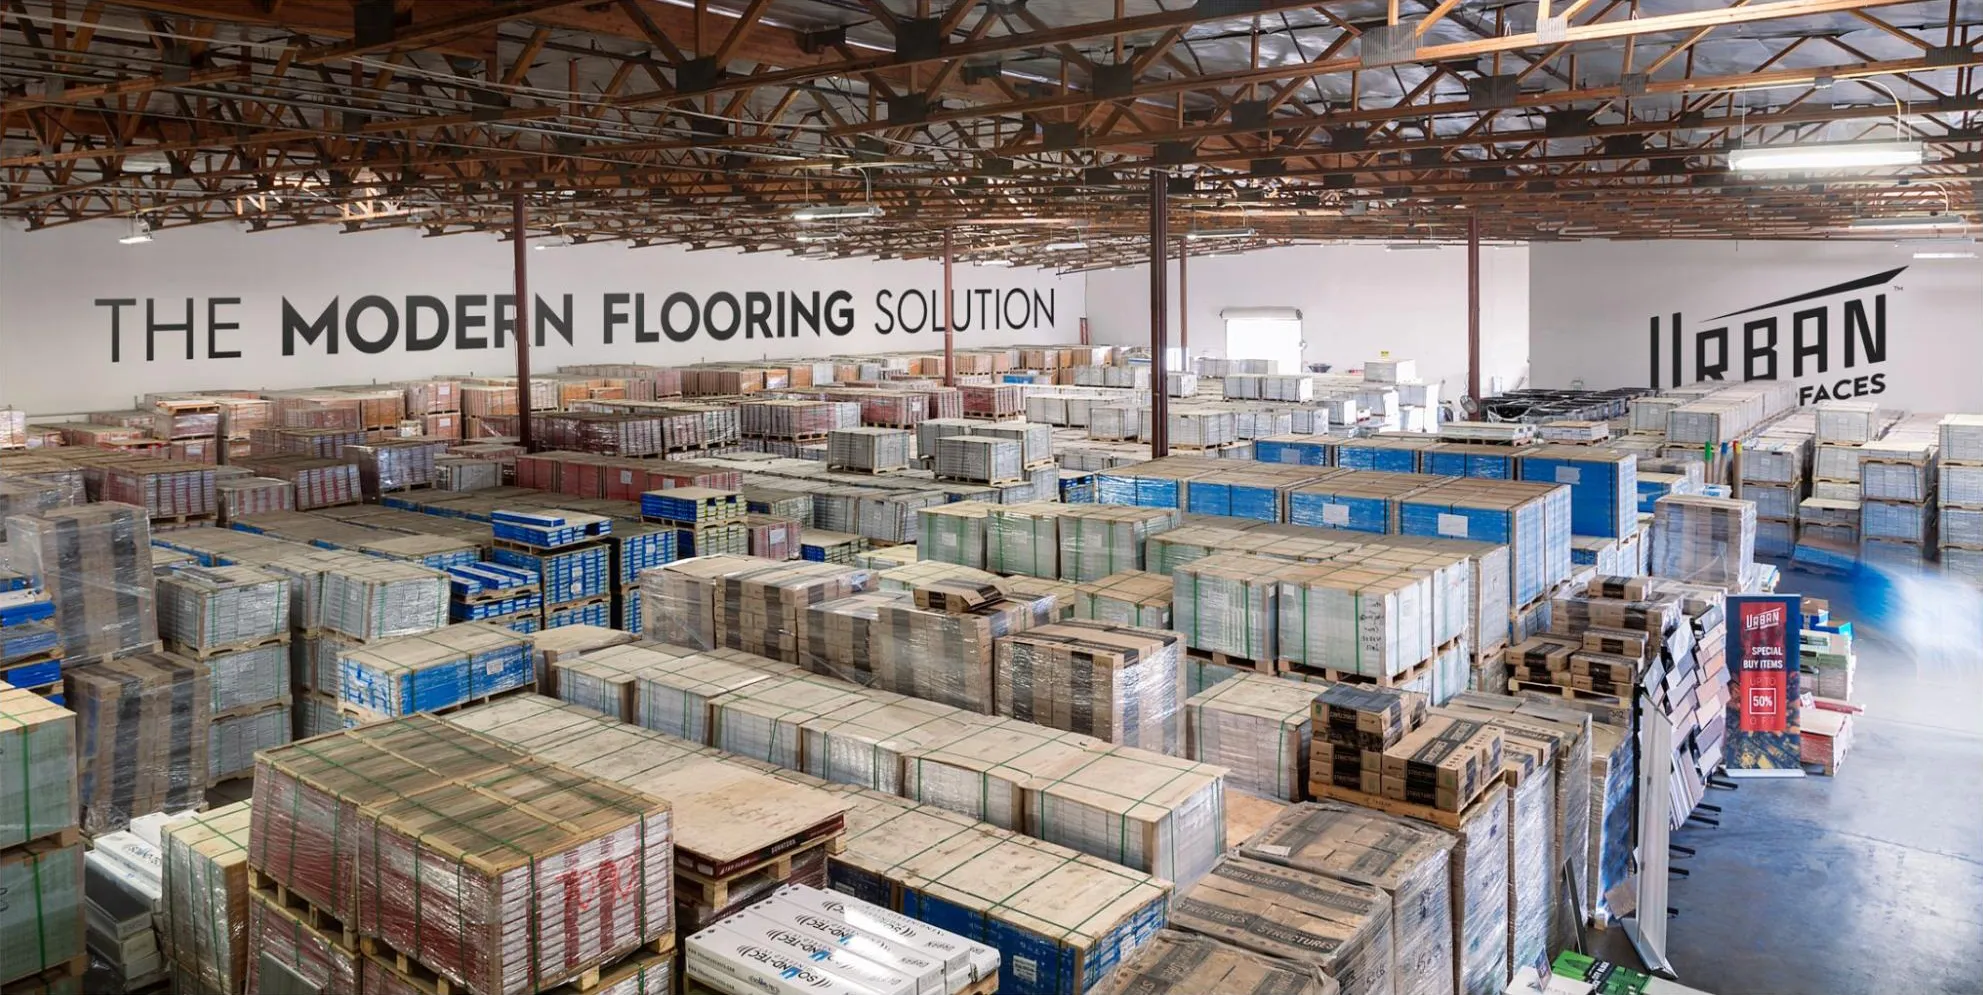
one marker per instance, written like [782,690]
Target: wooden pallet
[1422,669]
[872,471]
[67,836]
[1491,787]
[714,889]
[54,979]
[1235,662]
[242,646]
[364,714]
[1003,482]
[302,909]
[648,956]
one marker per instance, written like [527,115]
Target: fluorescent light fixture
[1064,246]
[1912,222]
[814,237]
[1203,234]
[995,262]
[1410,246]
[828,212]
[1846,155]
[138,238]
[1944,254]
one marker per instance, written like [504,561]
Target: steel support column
[949,318]
[1473,306]
[1160,424]
[519,243]
[1183,306]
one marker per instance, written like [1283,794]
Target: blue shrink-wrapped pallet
[548,529]
[571,574]
[1358,501]
[1382,453]
[439,669]
[638,546]
[599,613]
[1303,450]
[1531,519]
[1604,485]
[1157,483]
[1463,459]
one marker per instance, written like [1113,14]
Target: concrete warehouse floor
[1870,883]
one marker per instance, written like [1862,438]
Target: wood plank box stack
[1444,763]
[1352,727]
[234,619]
[444,848]
[41,857]
[1341,928]
[204,882]
[1407,861]
[947,656]
[1180,961]
[144,725]
[1118,683]
[1228,604]
[837,637]
[442,669]
[1259,729]
[758,609]
[1127,597]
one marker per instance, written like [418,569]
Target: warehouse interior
[943,497]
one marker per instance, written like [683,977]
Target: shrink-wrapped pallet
[142,725]
[1704,540]
[1117,683]
[364,597]
[645,973]
[773,538]
[1179,961]
[1159,814]
[1532,520]
[42,912]
[983,772]
[1961,486]
[1230,603]
[460,852]
[869,448]
[955,532]
[1342,928]
[1961,438]
[762,720]
[1036,440]
[1847,421]
[1407,861]
[204,610]
[239,497]
[440,669]
[979,458]
[680,598]
[604,679]
[1024,539]
[868,744]
[679,694]
[1480,877]
[95,563]
[758,609]
[204,884]
[1373,621]
[233,740]
[890,516]
[930,430]
[947,656]
[1258,728]
[1129,597]
[1061,921]
[837,637]
[38,780]
[294,949]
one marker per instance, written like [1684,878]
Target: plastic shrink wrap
[1408,861]
[1340,927]
[143,727]
[442,844]
[947,656]
[233,740]
[95,562]
[1367,620]
[1258,728]
[38,780]
[204,882]
[870,744]
[41,918]
[1229,603]
[1178,961]
[1128,597]
[1117,683]
[432,670]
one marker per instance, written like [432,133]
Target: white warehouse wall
[1355,301]
[1844,319]
[257,302]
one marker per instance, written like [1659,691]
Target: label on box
[1453,526]
[1336,514]
[1569,475]
[1274,850]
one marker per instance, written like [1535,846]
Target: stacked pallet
[364,606]
[443,669]
[235,620]
[240,497]
[143,722]
[759,609]
[1960,536]
[1228,605]
[1346,617]
[955,532]
[165,488]
[1362,502]
[491,591]
[1096,541]
[1705,540]
[491,909]
[318,481]
[770,537]
[1259,729]
[1407,862]
[395,464]
[943,649]
[831,942]
[1117,683]
[1338,927]
[95,563]
[1897,478]
[1127,597]
[204,887]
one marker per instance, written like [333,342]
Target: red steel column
[518,242]
[1183,307]
[1160,407]
[949,319]
[1473,306]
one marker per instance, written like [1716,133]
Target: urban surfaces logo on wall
[218,327]
[1833,340]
